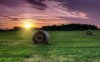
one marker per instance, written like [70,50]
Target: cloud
[91,7]
[11,3]
[37,4]
[80,4]
[81,11]
[52,9]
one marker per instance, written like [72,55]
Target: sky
[48,12]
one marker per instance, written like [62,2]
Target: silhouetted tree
[69,27]
[17,28]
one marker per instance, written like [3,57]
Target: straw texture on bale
[41,37]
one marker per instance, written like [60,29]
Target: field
[64,46]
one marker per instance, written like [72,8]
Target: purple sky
[48,12]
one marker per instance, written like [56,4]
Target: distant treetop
[69,27]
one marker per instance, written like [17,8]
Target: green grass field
[64,46]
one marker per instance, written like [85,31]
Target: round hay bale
[89,33]
[41,37]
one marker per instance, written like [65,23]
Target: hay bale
[89,33]
[41,37]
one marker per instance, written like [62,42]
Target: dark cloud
[90,7]
[10,3]
[80,4]
[37,4]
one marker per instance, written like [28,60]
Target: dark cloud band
[37,4]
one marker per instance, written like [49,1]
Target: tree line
[70,27]
[63,27]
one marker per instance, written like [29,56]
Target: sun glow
[28,23]
[28,26]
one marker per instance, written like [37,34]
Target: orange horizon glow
[28,24]
[31,23]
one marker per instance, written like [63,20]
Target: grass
[64,46]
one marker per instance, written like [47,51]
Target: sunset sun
[28,26]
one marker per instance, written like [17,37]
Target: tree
[70,27]
[17,28]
